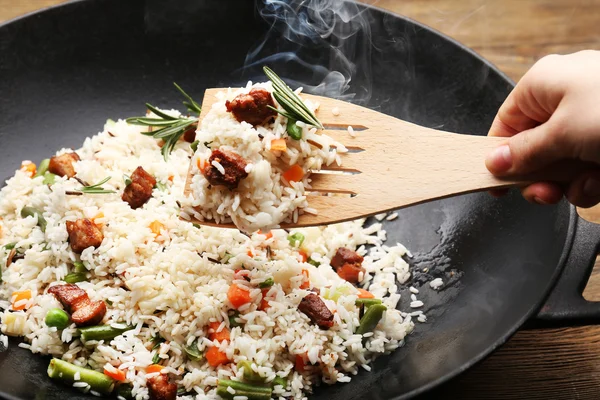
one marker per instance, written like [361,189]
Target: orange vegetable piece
[303,255]
[29,168]
[238,296]
[216,357]
[278,145]
[154,368]
[171,177]
[155,227]
[218,336]
[250,253]
[268,235]
[306,283]
[201,164]
[264,303]
[349,272]
[117,374]
[294,174]
[363,294]
[18,296]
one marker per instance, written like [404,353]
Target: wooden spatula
[392,164]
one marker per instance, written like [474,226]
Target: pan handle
[565,305]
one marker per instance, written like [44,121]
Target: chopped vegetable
[124,390]
[18,297]
[127,179]
[266,283]
[156,227]
[296,239]
[367,302]
[238,296]
[49,178]
[79,267]
[29,168]
[294,174]
[363,294]
[293,130]
[267,235]
[264,303]
[337,292]
[10,246]
[43,168]
[161,186]
[57,318]
[303,255]
[102,332]
[249,374]
[154,368]
[218,336]
[15,324]
[279,381]
[278,145]
[226,257]
[194,145]
[233,319]
[306,282]
[115,373]
[34,212]
[313,262]
[64,371]
[251,392]
[192,351]
[216,357]
[75,277]
[371,318]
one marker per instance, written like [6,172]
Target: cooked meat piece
[190,135]
[63,165]
[89,312]
[252,107]
[348,264]
[139,190]
[83,233]
[83,311]
[69,295]
[316,310]
[159,388]
[234,166]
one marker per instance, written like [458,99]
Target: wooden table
[513,34]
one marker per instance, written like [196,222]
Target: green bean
[102,332]
[192,351]
[126,179]
[296,239]
[371,318]
[294,130]
[194,145]
[10,246]
[49,178]
[279,381]
[79,267]
[249,374]
[64,371]
[124,390]
[233,319]
[267,283]
[34,212]
[55,317]
[75,277]
[252,392]
[313,262]
[367,302]
[43,168]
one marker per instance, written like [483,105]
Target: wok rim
[571,228]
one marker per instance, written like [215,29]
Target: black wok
[65,70]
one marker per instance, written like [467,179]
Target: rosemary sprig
[171,128]
[291,103]
[92,189]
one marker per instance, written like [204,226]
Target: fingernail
[500,159]
[591,188]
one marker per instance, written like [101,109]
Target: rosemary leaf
[161,114]
[96,188]
[190,104]
[171,130]
[145,121]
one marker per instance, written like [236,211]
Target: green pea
[44,164]
[294,130]
[57,318]
[296,239]
[75,277]
[267,283]
[79,267]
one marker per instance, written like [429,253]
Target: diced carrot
[303,255]
[300,364]
[268,235]
[306,283]
[218,336]
[171,177]
[349,273]
[363,294]
[201,164]
[278,145]
[115,373]
[264,303]
[154,368]
[100,215]
[19,296]
[250,253]
[29,168]
[216,357]
[155,227]
[238,296]
[294,174]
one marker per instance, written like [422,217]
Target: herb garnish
[292,104]
[171,128]
[92,189]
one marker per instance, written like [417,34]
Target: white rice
[173,285]
[436,283]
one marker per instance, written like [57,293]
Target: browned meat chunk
[139,190]
[159,388]
[316,310]
[252,107]
[83,311]
[234,166]
[190,135]
[63,165]
[83,233]
[348,264]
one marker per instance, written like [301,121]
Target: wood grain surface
[513,34]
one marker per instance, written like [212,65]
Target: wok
[65,70]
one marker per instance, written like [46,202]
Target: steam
[322,45]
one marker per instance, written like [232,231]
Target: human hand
[553,114]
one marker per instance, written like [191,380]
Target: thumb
[526,152]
